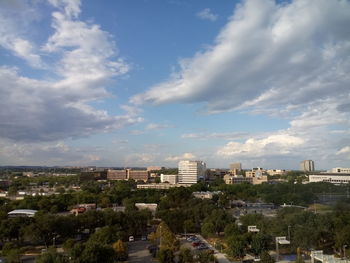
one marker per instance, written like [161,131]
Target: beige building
[229,179]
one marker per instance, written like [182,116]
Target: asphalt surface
[221,257]
[138,252]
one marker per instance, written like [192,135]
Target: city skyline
[141,83]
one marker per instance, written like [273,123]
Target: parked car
[196,244]
[202,247]
[131,239]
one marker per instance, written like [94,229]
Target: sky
[150,82]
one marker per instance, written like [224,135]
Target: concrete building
[307,166]
[151,207]
[258,175]
[276,172]
[191,171]
[170,178]
[154,168]
[160,186]
[205,195]
[138,175]
[229,179]
[340,170]
[116,175]
[334,178]
[126,174]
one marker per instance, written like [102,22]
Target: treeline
[87,237]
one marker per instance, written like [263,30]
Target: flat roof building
[191,171]
[170,178]
[333,178]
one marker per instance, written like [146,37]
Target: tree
[121,250]
[96,252]
[51,256]
[258,244]
[205,257]
[189,226]
[236,246]
[266,258]
[208,229]
[165,255]
[185,256]
[168,240]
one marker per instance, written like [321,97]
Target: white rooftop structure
[253,229]
[22,213]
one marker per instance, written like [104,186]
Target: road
[138,252]
[221,257]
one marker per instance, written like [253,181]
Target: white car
[131,239]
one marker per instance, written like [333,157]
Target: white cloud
[287,60]
[216,135]
[70,7]
[15,16]
[267,56]
[59,153]
[158,126]
[207,14]
[55,109]
[345,149]
[277,144]
[184,156]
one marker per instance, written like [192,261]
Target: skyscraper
[191,171]
[307,166]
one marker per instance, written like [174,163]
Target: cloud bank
[83,60]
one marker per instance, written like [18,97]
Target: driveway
[138,252]
[221,257]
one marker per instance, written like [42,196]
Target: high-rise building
[191,171]
[307,166]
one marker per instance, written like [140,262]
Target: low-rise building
[150,206]
[340,170]
[230,179]
[334,178]
[126,174]
[161,186]
[170,178]
[138,175]
[205,195]
[116,174]
[276,172]
[154,168]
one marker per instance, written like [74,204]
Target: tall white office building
[191,171]
[307,166]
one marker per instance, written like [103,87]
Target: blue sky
[141,83]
